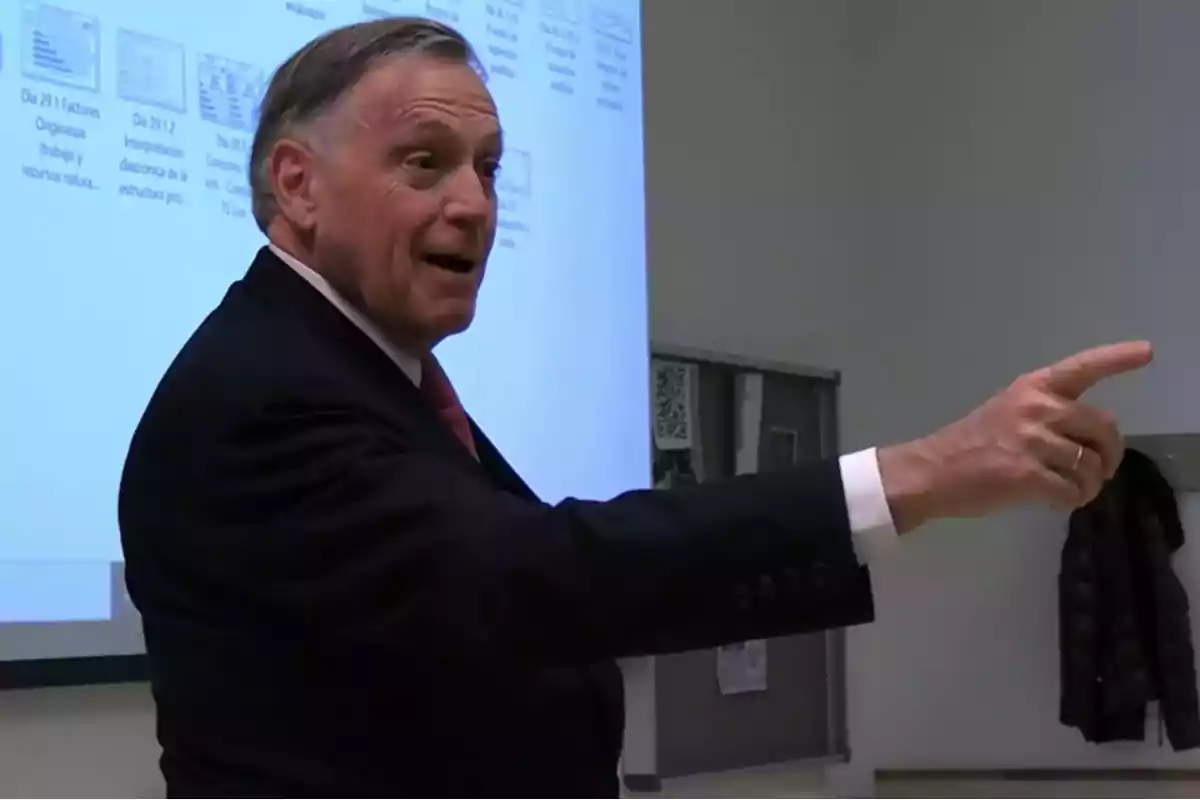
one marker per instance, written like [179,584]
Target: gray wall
[78,742]
[746,133]
[1032,187]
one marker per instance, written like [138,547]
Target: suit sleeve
[377,542]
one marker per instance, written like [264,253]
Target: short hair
[323,71]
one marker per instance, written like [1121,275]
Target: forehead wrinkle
[391,102]
[435,113]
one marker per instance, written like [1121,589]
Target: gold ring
[1078,459]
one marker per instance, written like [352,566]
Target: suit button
[741,598]
[820,576]
[766,587]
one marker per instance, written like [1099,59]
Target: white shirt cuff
[872,530]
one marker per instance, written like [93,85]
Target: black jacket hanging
[1124,633]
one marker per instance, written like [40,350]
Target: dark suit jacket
[339,600]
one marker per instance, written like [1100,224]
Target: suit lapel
[498,468]
[270,279]
[382,381]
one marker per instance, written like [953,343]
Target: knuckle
[1038,405]
[1053,411]
[1027,398]
[1029,432]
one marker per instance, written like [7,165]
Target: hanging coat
[1124,633]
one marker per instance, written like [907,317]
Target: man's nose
[468,199]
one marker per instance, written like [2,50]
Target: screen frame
[40,673]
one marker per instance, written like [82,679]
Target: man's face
[400,209]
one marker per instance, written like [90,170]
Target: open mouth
[451,262]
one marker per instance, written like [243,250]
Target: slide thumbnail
[151,71]
[60,46]
[229,92]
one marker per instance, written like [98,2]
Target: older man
[346,590]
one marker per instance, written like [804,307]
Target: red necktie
[440,393]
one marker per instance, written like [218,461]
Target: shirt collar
[408,365]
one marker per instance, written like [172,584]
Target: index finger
[1075,374]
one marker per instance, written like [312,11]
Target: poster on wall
[675,398]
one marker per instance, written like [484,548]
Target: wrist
[908,472]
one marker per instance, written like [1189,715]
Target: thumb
[1075,374]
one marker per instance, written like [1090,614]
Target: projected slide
[125,211]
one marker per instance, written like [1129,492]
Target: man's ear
[293,170]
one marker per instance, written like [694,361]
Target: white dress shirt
[409,365]
[872,529]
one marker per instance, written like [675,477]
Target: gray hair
[318,75]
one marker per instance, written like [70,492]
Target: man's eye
[490,169]
[423,161]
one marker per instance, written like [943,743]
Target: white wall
[747,138]
[1032,188]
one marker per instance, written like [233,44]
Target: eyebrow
[431,125]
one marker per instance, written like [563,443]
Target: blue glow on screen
[125,215]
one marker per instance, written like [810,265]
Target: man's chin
[451,322]
[419,333]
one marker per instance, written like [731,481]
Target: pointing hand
[1034,441]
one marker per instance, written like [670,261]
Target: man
[346,591]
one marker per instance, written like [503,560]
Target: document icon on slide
[151,71]
[229,91]
[449,11]
[60,46]
[561,10]
[611,24]
[394,8]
